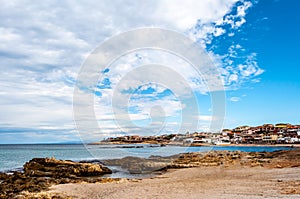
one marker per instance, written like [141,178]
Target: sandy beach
[209,182]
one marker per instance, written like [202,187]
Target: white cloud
[205,29]
[250,67]
[207,118]
[185,14]
[241,10]
[219,31]
[235,99]
[31,103]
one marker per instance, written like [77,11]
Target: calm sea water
[14,156]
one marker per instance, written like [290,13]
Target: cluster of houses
[265,134]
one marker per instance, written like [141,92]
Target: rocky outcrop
[212,158]
[51,167]
[277,159]
[136,165]
[41,173]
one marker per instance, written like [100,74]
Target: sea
[13,156]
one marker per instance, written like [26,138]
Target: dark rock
[95,161]
[3,176]
[136,165]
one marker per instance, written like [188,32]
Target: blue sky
[275,98]
[43,45]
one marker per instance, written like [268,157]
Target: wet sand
[202,182]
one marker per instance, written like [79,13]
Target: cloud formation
[43,44]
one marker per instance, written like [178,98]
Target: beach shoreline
[189,175]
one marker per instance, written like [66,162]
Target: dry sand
[208,182]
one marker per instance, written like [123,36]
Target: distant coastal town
[266,134]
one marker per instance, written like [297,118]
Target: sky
[44,45]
